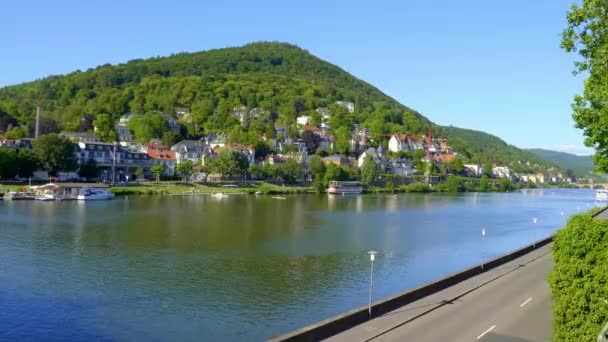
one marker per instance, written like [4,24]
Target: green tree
[586,34]
[88,170]
[454,184]
[316,167]
[484,184]
[262,149]
[506,185]
[104,128]
[8,163]
[184,169]
[16,133]
[369,170]
[27,163]
[343,137]
[55,153]
[157,171]
[139,172]
[229,162]
[456,166]
[291,170]
[171,138]
[149,126]
[487,170]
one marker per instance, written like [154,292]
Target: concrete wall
[337,324]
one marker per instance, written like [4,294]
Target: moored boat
[337,187]
[94,194]
[19,196]
[601,195]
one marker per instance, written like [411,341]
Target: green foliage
[575,166]
[416,187]
[456,166]
[454,184]
[484,184]
[586,34]
[335,173]
[184,169]
[316,167]
[579,281]
[505,185]
[8,163]
[55,153]
[343,136]
[157,171]
[369,170]
[104,128]
[483,148]
[262,149]
[27,163]
[229,162]
[149,126]
[291,171]
[16,133]
[171,138]
[390,186]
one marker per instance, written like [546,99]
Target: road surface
[511,303]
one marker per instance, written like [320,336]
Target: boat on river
[339,188]
[94,194]
[218,195]
[20,196]
[601,195]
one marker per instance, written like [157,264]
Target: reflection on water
[243,267]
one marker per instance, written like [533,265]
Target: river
[243,267]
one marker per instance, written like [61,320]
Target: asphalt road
[509,304]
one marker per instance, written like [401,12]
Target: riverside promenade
[509,302]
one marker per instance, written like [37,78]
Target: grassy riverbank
[188,188]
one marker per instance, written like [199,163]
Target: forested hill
[486,148]
[582,166]
[281,80]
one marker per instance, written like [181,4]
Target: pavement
[511,303]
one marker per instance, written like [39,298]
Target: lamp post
[372,256]
[483,236]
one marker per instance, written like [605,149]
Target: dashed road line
[487,331]
[526,302]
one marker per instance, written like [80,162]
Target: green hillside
[486,148]
[281,80]
[582,166]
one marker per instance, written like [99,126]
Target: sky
[494,66]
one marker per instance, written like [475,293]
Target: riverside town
[304,171]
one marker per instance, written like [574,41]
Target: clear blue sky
[494,66]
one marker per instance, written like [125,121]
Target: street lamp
[372,256]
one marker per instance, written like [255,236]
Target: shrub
[579,281]
[417,187]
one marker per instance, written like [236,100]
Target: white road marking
[526,302]
[487,331]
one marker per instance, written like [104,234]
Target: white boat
[46,197]
[258,193]
[337,187]
[278,197]
[94,194]
[218,195]
[601,195]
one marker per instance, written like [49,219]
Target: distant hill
[487,149]
[582,166]
[280,80]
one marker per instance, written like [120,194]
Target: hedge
[579,280]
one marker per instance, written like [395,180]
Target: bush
[579,281]
[416,187]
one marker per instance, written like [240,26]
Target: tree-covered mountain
[278,80]
[582,166]
[487,149]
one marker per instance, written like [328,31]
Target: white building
[502,172]
[369,152]
[348,105]
[303,120]
[474,169]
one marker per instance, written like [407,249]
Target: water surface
[242,267]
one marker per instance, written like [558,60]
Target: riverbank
[189,188]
